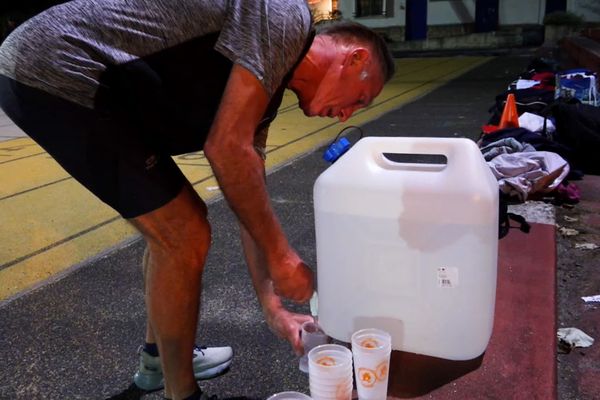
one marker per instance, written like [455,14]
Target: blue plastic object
[335,150]
[580,84]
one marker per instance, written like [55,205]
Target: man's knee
[178,230]
[188,243]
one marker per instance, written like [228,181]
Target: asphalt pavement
[76,336]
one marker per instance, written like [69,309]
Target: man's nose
[346,113]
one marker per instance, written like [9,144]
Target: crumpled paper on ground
[568,231]
[586,246]
[568,338]
[591,299]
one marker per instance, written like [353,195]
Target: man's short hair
[354,32]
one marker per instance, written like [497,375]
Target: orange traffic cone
[510,117]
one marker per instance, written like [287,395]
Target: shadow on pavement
[131,393]
[414,375]
[135,393]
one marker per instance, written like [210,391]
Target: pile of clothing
[556,140]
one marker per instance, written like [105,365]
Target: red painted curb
[520,362]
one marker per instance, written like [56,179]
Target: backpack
[578,128]
[580,84]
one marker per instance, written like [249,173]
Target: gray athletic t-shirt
[66,49]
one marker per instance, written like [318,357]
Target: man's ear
[358,57]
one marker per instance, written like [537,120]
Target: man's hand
[282,322]
[286,325]
[292,278]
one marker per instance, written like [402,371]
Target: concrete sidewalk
[8,130]
[76,337]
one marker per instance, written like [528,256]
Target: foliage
[564,18]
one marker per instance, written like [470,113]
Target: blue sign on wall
[555,5]
[486,15]
[416,20]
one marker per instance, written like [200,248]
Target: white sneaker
[208,362]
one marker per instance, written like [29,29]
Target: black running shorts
[122,163]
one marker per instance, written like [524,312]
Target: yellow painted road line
[50,222]
[20,148]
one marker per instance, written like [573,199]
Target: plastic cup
[331,389]
[312,336]
[329,361]
[337,393]
[371,350]
[289,396]
[339,389]
[330,372]
[330,382]
[340,392]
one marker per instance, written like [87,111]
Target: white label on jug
[447,277]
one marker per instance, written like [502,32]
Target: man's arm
[239,171]
[282,322]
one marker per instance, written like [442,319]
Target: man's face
[345,88]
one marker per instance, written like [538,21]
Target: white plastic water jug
[410,248]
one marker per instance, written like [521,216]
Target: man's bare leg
[150,336]
[149,333]
[178,239]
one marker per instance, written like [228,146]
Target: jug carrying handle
[458,151]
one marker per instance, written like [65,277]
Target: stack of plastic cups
[330,372]
[371,349]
